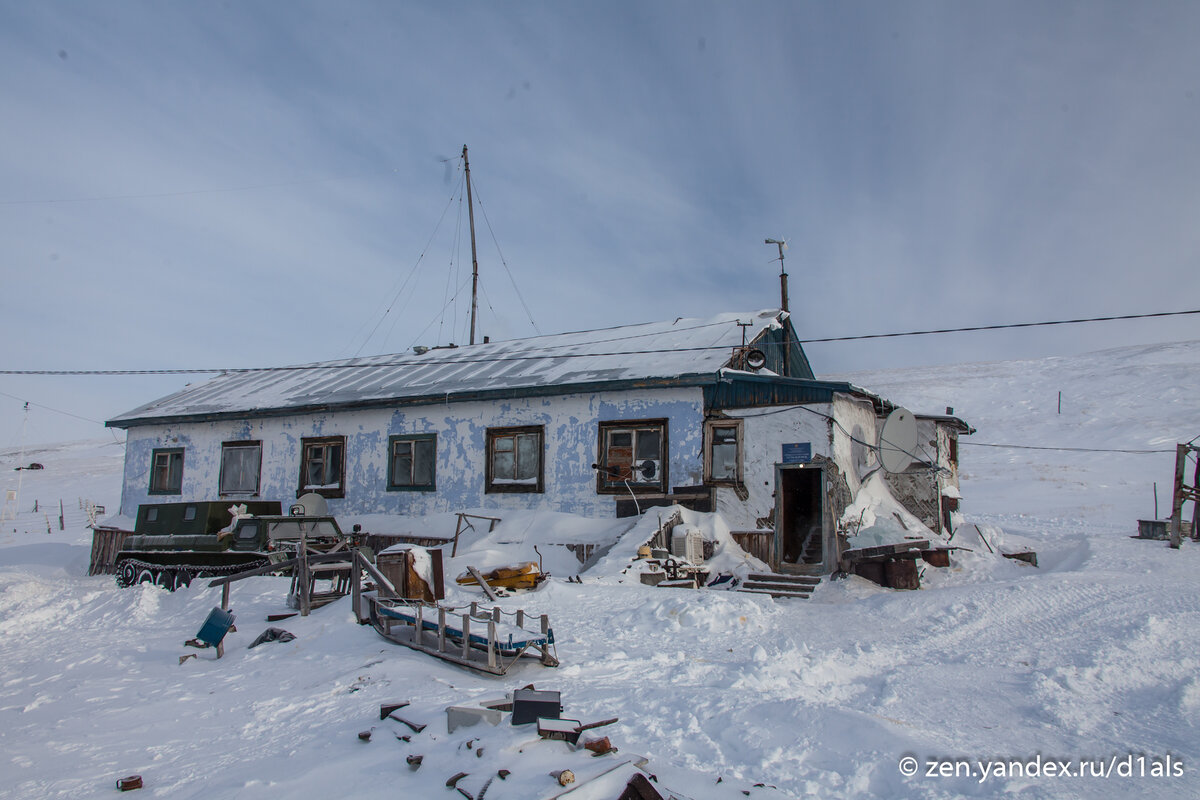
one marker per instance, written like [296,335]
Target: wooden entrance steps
[800,586]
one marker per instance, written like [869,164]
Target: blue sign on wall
[797,453]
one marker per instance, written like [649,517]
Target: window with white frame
[241,463]
[323,466]
[633,455]
[412,462]
[166,471]
[514,459]
[723,451]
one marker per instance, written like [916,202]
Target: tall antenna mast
[783,294]
[783,304]
[474,260]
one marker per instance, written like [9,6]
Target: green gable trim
[749,391]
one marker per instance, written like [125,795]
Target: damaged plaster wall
[855,434]
[827,427]
[929,487]
[765,431]
[570,448]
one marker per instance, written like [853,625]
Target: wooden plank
[487,590]
[760,544]
[860,553]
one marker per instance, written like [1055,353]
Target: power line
[48,408]
[511,279]
[999,327]
[413,362]
[407,278]
[542,354]
[1062,449]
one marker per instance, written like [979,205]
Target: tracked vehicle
[175,543]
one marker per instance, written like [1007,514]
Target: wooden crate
[106,543]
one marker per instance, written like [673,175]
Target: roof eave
[479,395]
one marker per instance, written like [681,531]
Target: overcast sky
[204,185]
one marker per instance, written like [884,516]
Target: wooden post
[303,579]
[466,642]
[457,530]
[474,608]
[1196,496]
[520,618]
[545,623]
[496,613]
[492,643]
[356,585]
[1177,501]
[420,624]
[225,597]
[441,629]
[61,516]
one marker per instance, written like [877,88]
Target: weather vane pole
[783,294]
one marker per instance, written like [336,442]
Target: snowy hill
[1092,659]
[1133,398]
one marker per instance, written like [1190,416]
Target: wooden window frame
[493,434]
[322,441]
[154,456]
[724,422]
[245,444]
[392,486]
[605,484]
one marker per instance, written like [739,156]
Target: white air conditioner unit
[648,469]
[688,544]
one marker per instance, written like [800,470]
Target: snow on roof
[660,350]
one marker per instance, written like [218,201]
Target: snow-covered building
[929,487]
[721,413]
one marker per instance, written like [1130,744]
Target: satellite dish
[310,505]
[898,440]
[755,359]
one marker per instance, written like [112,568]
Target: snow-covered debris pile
[621,564]
[877,518]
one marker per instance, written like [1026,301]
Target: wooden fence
[106,543]
[760,544]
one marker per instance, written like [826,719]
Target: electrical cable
[999,327]
[407,278]
[1062,449]
[511,279]
[542,355]
[849,435]
[48,408]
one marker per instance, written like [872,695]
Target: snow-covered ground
[1092,659]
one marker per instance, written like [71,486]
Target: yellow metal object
[519,576]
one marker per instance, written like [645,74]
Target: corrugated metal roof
[679,351]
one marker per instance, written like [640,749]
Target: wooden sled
[479,640]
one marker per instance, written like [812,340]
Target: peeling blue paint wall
[570,448]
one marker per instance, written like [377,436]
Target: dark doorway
[800,536]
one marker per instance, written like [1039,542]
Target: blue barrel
[215,627]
